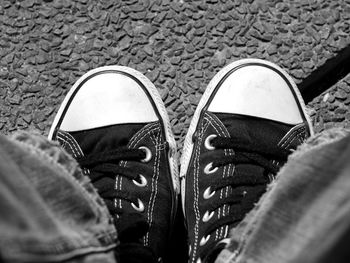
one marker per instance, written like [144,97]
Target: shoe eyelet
[147,152]
[207,142]
[271,177]
[143,181]
[140,206]
[208,169]
[207,216]
[208,194]
[204,240]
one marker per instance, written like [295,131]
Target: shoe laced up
[249,119]
[113,121]
[264,164]
[103,168]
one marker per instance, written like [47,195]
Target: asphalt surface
[45,46]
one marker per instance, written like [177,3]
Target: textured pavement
[45,46]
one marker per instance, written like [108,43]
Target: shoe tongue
[106,138]
[256,131]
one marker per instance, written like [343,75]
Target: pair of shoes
[249,119]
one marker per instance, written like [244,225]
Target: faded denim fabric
[49,211]
[305,215]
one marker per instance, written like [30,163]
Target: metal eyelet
[140,206]
[208,169]
[207,142]
[271,177]
[208,193]
[207,216]
[142,179]
[204,240]
[147,152]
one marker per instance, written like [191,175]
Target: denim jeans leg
[305,212]
[49,211]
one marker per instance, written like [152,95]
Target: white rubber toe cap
[259,91]
[107,98]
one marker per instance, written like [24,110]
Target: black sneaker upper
[128,177]
[234,157]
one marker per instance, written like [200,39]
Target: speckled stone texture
[180,45]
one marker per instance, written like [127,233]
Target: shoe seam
[226,172]
[136,139]
[71,142]
[291,134]
[143,132]
[221,212]
[204,126]
[156,173]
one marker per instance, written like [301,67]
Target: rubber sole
[154,96]
[188,145]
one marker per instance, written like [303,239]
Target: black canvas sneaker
[249,119]
[114,123]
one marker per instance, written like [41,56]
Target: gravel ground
[332,107]
[180,45]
